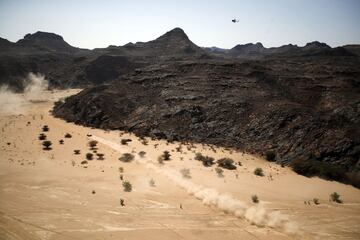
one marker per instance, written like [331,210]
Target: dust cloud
[255,214]
[14,103]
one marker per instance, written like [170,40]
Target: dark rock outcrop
[302,108]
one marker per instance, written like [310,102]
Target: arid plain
[53,194]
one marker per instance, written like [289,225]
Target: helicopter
[235,20]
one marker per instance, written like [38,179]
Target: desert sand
[51,194]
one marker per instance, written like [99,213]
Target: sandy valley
[53,194]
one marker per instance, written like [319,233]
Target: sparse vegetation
[152,183]
[61,141]
[125,141]
[166,156]
[42,137]
[185,172]
[255,199]
[121,169]
[270,156]
[142,154]
[93,144]
[84,162]
[89,156]
[259,172]
[68,135]
[127,157]
[76,151]
[316,201]
[46,145]
[335,197]
[127,186]
[226,163]
[100,156]
[219,172]
[160,160]
[206,160]
[45,128]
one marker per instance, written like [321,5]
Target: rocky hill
[303,110]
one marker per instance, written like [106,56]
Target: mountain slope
[304,108]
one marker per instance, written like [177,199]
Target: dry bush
[127,157]
[142,154]
[125,141]
[255,199]
[127,186]
[259,172]
[42,137]
[206,160]
[219,172]
[92,144]
[68,135]
[89,156]
[46,145]
[226,163]
[185,172]
[335,197]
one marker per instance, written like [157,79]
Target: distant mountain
[173,44]
[65,65]
[247,50]
[258,51]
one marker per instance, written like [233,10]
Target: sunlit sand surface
[51,194]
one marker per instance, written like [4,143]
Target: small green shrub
[127,186]
[68,135]
[93,144]
[125,141]
[206,160]
[127,157]
[89,156]
[100,156]
[166,156]
[259,172]
[226,163]
[255,199]
[142,154]
[335,197]
[46,145]
[42,137]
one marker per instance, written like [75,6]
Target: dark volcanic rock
[300,108]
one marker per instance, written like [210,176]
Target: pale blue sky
[91,23]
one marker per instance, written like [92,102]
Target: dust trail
[256,215]
[13,103]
